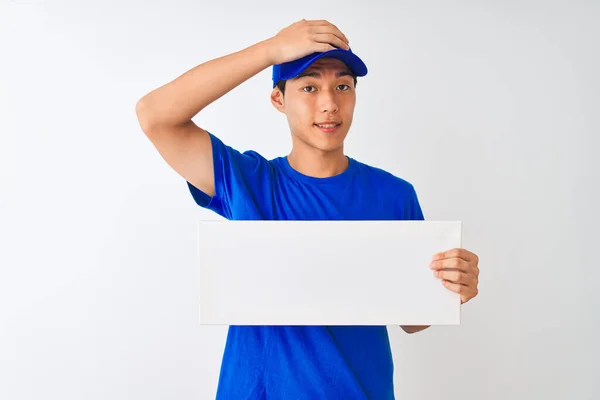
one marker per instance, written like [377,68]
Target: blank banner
[325,273]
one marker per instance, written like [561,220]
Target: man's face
[319,104]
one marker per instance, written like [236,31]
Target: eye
[346,87]
[308,87]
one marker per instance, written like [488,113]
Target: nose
[327,102]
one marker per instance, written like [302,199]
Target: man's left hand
[459,271]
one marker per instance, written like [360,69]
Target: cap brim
[356,65]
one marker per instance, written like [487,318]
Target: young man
[314,85]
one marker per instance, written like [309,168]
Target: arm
[414,328]
[165,114]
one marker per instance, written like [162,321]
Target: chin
[326,145]
[320,140]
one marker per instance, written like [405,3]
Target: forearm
[414,328]
[178,101]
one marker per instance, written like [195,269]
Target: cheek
[300,113]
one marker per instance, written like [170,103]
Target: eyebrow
[316,74]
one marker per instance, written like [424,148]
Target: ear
[277,99]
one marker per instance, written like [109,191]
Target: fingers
[322,47]
[466,292]
[463,283]
[325,27]
[452,263]
[458,270]
[457,277]
[331,39]
[303,37]
[456,253]
[329,28]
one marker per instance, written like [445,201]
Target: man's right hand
[303,38]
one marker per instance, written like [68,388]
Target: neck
[318,163]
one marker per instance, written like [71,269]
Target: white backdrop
[489,108]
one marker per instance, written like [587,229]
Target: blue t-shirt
[305,362]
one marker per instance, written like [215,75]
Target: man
[314,85]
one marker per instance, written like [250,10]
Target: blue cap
[292,69]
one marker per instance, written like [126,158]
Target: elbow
[144,115]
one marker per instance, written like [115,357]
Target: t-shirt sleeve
[235,174]
[414,210]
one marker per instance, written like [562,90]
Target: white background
[489,108]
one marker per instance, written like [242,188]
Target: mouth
[328,127]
